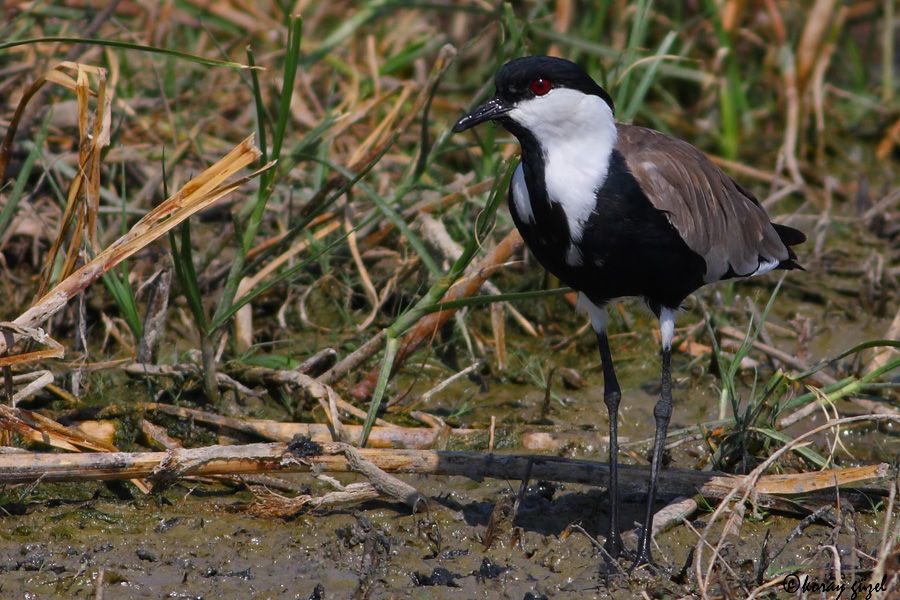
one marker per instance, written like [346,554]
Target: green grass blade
[637,98]
[202,60]
[384,376]
[267,181]
[635,40]
[183,262]
[601,50]
[845,387]
[804,451]
[123,296]
[261,116]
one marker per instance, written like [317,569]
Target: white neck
[577,134]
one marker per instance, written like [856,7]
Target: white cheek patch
[521,199]
[577,134]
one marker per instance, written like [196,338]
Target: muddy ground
[195,541]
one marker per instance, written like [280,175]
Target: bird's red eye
[540,86]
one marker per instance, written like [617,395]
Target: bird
[616,210]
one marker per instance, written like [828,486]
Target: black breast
[628,247]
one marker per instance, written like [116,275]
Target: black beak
[493,108]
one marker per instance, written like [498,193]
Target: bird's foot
[612,550]
[643,558]
[614,547]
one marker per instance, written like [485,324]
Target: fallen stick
[157,437]
[674,513]
[37,428]
[321,392]
[410,438]
[328,457]
[384,483]
[277,431]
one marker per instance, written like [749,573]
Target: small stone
[148,555]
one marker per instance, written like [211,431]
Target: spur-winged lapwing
[617,210]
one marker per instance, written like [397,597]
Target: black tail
[790,237]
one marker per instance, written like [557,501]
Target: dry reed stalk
[306,456]
[361,156]
[498,328]
[102,431]
[383,436]
[43,379]
[557,441]
[731,13]
[386,484]
[880,356]
[12,332]
[156,437]
[815,31]
[562,21]
[276,431]
[819,377]
[748,171]
[378,145]
[197,194]
[890,141]
[778,28]
[441,385]
[39,429]
[275,239]
[83,197]
[353,360]
[817,83]
[793,99]
[365,280]
[155,317]
[55,75]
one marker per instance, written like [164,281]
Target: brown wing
[716,218]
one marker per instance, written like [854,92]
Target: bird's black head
[530,84]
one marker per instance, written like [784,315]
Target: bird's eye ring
[540,86]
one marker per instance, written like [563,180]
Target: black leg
[611,396]
[662,412]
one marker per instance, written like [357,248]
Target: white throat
[577,134]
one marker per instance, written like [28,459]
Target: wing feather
[717,219]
